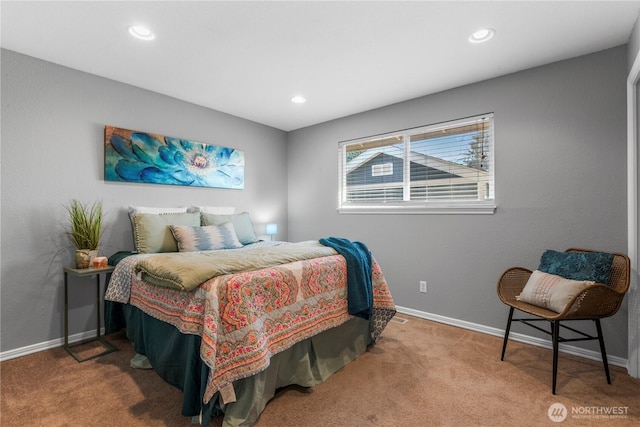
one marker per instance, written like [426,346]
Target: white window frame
[485,205]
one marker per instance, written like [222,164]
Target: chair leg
[555,327]
[506,333]
[603,351]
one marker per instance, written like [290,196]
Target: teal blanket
[359,286]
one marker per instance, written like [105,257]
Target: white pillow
[550,291]
[217,210]
[149,210]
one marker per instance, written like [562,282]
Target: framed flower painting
[132,156]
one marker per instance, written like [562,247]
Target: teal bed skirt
[176,358]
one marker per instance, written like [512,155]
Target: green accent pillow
[151,233]
[241,223]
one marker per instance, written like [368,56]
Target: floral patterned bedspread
[247,317]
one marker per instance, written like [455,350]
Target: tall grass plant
[85,224]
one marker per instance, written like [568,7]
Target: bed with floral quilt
[222,324]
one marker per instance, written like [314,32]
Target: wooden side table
[85,272]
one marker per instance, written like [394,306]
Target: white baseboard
[539,342]
[526,339]
[47,345]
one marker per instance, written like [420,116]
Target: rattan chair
[594,303]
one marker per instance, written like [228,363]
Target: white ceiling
[249,58]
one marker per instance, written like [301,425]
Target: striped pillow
[550,291]
[205,238]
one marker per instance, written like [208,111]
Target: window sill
[435,209]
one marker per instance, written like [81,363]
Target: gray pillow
[241,223]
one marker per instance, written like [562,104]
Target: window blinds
[449,162]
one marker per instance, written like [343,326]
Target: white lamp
[272,230]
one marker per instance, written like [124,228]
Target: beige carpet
[420,373]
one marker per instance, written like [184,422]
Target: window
[442,168]
[382,169]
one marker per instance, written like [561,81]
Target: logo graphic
[557,412]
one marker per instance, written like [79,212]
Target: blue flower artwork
[141,157]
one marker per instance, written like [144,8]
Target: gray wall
[560,148]
[53,122]
[560,181]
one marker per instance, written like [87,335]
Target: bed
[229,327]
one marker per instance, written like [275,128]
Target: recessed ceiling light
[141,32]
[298,99]
[482,35]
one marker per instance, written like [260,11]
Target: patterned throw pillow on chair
[551,291]
[595,266]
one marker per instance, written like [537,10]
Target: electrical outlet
[423,286]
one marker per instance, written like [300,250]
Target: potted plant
[85,230]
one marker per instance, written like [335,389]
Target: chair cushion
[551,291]
[593,266]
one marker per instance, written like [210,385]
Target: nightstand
[85,272]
